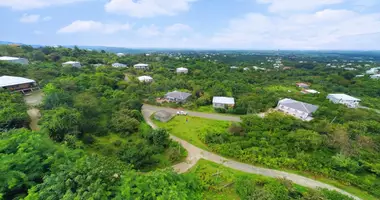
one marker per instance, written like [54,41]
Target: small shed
[163,116]
[182,70]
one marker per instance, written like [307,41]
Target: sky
[195,24]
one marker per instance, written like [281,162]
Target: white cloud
[33,4]
[47,18]
[148,8]
[94,26]
[305,31]
[297,5]
[26,18]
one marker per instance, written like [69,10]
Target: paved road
[195,114]
[195,153]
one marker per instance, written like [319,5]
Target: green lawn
[208,109]
[219,180]
[193,130]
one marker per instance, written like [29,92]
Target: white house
[145,79]
[182,70]
[120,54]
[72,63]
[234,67]
[344,99]
[17,84]
[119,65]
[376,76]
[22,61]
[141,66]
[310,91]
[297,109]
[223,102]
[375,70]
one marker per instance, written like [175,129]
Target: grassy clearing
[193,130]
[219,180]
[208,109]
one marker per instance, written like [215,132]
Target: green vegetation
[224,183]
[89,113]
[194,130]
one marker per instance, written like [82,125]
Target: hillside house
[22,61]
[223,102]
[375,70]
[18,84]
[120,54]
[72,63]
[119,65]
[298,109]
[141,66]
[310,91]
[145,79]
[376,76]
[177,97]
[182,70]
[344,99]
[303,85]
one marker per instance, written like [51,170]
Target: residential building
[234,67]
[22,61]
[344,99]
[223,102]
[72,63]
[119,65]
[375,70]
[303,85]
[145,79]
[310,91]
[141,66]
[178,97]
[120,54]
[297,109]
[376,76]
[98,65]
[18,84]
[182,70]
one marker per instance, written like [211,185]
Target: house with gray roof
[177,97]
[298,109]
[18,84]
[223,102]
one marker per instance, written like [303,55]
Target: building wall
[221,105]
[20,87]
[296,113]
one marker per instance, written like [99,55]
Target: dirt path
[195,153]
[34,115]
[33,100]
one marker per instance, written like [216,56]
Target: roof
[141,65]
[71,62]
[344,97]
[178,95]
[302,84]
[13,80]
[7,58]
[311,91]
[182,68]
[145,78]
[223,100]
[163,115]
[119,65]
[298,105]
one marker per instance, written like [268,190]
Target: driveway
[194,114]
[195,153]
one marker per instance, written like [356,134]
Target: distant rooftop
[6,81]
[223,100]
[298,105]
[344,97]
[7,58]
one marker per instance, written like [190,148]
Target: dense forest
[94,144]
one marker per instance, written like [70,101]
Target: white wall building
[182,70]
[72,63]
[120,54]
[375,70]
[145,79]
[119,65]
[376,76]
[22,61]
[141,66]
[344,99]
[223,102]
[297,109]
[17,84]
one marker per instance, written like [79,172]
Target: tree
[60,121]
[12,111]
[161,185]
[305,140]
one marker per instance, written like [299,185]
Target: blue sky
[207,24]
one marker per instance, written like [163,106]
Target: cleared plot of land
[193,129]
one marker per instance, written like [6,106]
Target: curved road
[195,153]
